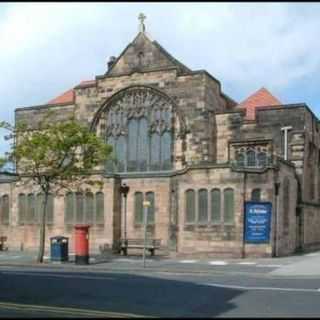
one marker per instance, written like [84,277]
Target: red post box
[82,244]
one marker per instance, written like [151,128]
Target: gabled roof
[155,57]
[260,98]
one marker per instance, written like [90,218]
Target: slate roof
[260,98]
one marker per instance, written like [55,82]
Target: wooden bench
[151,245]
[3,240]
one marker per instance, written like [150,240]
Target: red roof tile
[261,98]
[68,96]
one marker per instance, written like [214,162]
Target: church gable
[143,55]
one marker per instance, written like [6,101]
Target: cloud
[48,48]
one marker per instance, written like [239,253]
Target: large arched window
[139,127]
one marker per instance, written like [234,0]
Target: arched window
[151,209]
[262,159]
[133,128]
[39,208]
[166,151]
[155,152]
[140,129]
[251,158]
[215,206]
[69,208]
[31,214]
[22,208]
[138,208]
[203,206]
[99,208]
[143,145]
[79,208]
[240,159]
[5,209]
[228,206]
[190,206]
[89,209]
[256,195]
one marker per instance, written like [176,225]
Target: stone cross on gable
[142,27]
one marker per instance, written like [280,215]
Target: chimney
[111,61]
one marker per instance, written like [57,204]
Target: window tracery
[139,127]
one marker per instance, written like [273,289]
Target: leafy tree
[55,156]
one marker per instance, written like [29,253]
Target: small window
[138,208]
[5,209]
[215,206]
[251,158]
[190,206]
[256,195]
[240,159]
[228,206]
[22,208]
[99,208]
[89,209]
[151,209]
[262,159]
[69,208]
[79,207]
[31,214]
[203,206]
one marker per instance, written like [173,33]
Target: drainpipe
[243,253]
[275,231]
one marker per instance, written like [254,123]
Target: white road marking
[124,260]
[269,265]
[188,261]
[218,263]
[247,263]
[312,254]
[55,275]
[261,288]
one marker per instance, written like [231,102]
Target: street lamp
[124,190]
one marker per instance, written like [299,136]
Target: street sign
[257,222]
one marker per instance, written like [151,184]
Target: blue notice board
[257,221]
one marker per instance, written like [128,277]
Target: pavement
[302,265]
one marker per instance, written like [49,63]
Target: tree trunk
[43,229]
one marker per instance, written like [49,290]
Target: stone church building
[195,153]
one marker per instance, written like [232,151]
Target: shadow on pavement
[122,293]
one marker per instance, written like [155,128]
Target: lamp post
[124,190]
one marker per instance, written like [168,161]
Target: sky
[48,48]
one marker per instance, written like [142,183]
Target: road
[33,292]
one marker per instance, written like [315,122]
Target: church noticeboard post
[257,222]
